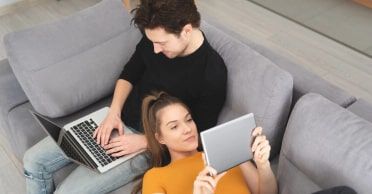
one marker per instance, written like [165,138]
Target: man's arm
[122,90]
[113,118]
[130,75]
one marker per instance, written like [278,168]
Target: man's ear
[159,138]
[187,29]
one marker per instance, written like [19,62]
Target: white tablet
[229,144]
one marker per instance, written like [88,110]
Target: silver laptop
[229,144]
[76,141]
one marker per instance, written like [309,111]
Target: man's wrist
[114,111]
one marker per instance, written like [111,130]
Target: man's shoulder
[213,57]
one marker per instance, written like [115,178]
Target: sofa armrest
[362,108]
[11,92]
[11,96]
[325,146]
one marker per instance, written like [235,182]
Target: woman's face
[178,130]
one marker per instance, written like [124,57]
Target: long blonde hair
[151,105]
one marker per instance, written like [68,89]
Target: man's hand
[103,132]
[125,144]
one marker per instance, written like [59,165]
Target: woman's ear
[159,138]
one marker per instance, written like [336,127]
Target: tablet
[229,144]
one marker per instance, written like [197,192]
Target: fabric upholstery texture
[362,108]
[82,54]
[304,81]
[328,144]
[11,96]
[255,84]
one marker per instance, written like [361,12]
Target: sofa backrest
[304,81]
[68,64]
[255,84]
[324,146]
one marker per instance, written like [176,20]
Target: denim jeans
[45,158]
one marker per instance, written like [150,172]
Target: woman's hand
[260,148]
[206,181]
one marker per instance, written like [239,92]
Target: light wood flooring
[336,63]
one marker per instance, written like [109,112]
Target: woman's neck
[181,155]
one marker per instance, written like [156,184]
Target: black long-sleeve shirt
[198,79]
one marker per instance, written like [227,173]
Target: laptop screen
[51,128]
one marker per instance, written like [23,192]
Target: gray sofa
[321,136]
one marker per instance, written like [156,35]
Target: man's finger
[121,129]
[121,153]
[95,132]
[107,136]
[112,145]
[115,139]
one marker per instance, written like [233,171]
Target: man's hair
[172,15]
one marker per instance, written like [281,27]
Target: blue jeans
[45,158]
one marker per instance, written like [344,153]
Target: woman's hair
[151,105]
[172,15]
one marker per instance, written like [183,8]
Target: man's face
[169,44]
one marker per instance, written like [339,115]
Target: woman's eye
[189,120]
[174,127]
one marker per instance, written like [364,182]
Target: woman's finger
[208,170]
[257,141]
[257,131]
[207,179]
[203,185]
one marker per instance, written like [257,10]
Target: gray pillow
[255,84]
[325,145]
[69,64]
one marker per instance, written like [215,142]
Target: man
[173,56]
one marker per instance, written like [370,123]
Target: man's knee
[30,161]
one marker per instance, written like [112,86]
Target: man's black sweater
[198,79]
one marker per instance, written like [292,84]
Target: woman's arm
[260,180]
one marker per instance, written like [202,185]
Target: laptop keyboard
[84,131]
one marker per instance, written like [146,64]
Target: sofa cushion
[327,145]
[362,108]
[11,95]
[304,81]
[71,63]
[254,84]
[24,131]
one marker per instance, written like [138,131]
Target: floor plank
[319,54]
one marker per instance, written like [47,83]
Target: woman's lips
[191,138]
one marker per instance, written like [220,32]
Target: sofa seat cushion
[255,84]
[327,145]
[71,63]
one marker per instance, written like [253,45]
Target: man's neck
[196,41]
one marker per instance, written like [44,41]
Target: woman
[169,128]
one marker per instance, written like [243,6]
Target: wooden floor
[343,20]
[334,62]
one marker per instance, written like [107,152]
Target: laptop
[229,144]
[76,141]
